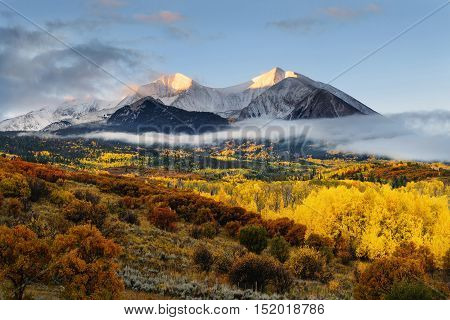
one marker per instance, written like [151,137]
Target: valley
[190,222]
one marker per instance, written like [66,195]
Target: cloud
[300,24]
[342,13]
[36,71]
[77,24]
[324,17]
[404,136]
[165,17]
[179,33]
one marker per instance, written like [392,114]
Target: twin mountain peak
[275,94]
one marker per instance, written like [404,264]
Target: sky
[222,43]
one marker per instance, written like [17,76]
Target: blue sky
[221,43]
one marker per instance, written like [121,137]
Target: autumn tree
[24,258]
[85,264]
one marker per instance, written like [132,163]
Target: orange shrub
[378,278]
[163,218]
[23,258]
[85,264]
[422,254]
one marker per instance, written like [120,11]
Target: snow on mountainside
[274,94]
[68,113]
[182,92]
[283,100]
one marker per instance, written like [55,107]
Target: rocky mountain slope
[69,113]
[276,94]
[287,99]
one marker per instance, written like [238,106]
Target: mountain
[149,114]
[276,94]
[58,125]
[301,97]
[181,91]
[273,94]
[69,113]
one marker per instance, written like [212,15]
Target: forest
[105,222]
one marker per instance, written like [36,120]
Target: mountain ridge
[272,94]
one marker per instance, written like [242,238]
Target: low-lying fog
[407,136]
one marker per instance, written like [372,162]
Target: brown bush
[206,230]
[87,195]
[296,235]
[376,281]
[163,218]
[202,215]
[203,258]
[13,208]
[129,202]
[343,250]
[79,211]
[232,228]
[223,263]
[318,242]
[61,197]
[278,227]
[420,253]
[38,188]
[307,263]
[260,273]
[128,216]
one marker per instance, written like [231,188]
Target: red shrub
[278,227]
[163,218]
[296,235]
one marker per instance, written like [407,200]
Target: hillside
[182,236]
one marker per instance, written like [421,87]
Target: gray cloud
[35,70]
[324,17]
[342,13]
[305,24]
[77,24]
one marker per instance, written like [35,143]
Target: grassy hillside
[147,234]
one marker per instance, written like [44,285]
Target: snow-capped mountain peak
[177,81]
[271,77]
[70,111]
[274,94]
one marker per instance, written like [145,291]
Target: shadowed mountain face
[149,114]
[302,98]
[321,104]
